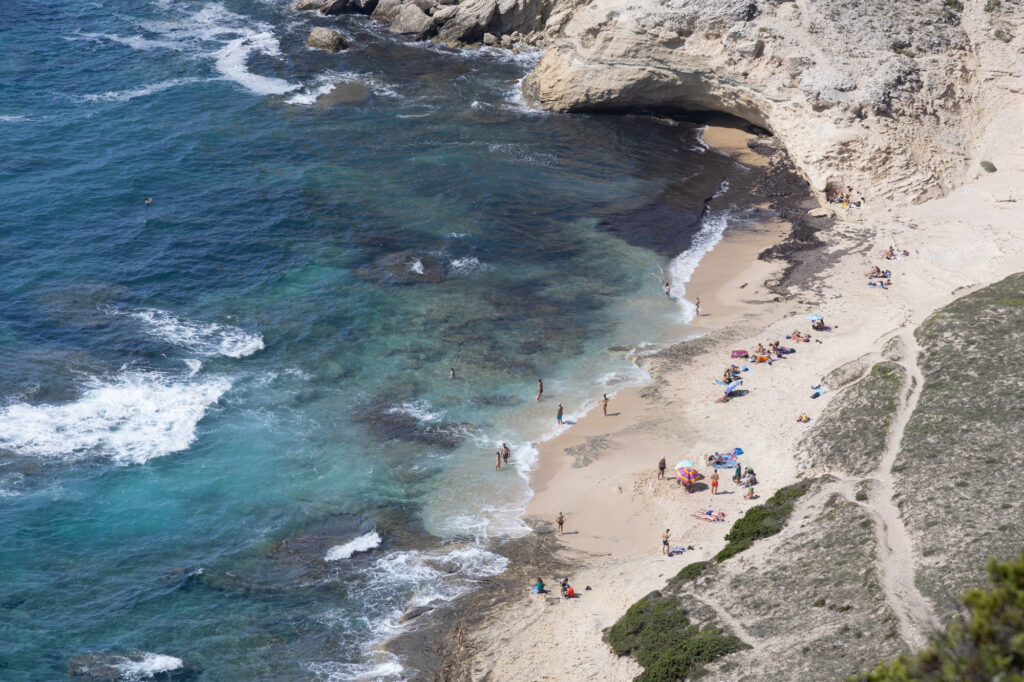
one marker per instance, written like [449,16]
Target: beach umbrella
[687,474]
[814,317]
[733,386]
[686,464]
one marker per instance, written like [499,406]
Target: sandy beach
[602,472]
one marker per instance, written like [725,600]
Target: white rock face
[411,19]
[887,98]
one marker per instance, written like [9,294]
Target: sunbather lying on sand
[803,418]
[875,272]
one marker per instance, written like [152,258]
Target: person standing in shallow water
[604,404]
[668,290]
[497,462]
[540,389]
[505,452]
[560,522]
[559,415]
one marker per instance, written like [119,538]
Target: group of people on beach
[567,590]
[882,279]
[837,195]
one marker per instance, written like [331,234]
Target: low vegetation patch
[989,646]
[657,631]
[988,166]
[762,521]
[689,572]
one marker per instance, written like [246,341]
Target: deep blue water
[206,398]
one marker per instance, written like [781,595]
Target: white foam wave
[137,42]
[149,666]
[311,95]
[467,265]
[216,33]
[420,410]
[363,543]
[131,419]
[439,577]
[232,63]
[334,671]
[683,266]
[125,95]
[416,266]
[206,339]
[13,119]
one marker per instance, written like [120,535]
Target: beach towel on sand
[676,550]
[739,354]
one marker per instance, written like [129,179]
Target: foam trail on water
[363,543]
[126,95]
[232,64]
[131,419]
[682,267]
[209,339]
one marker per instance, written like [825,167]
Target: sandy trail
[897,557]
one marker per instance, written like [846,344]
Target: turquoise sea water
[229,442]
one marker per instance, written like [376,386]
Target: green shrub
[689,572]
[761,521]
[991,5]
[861,496]
[988,166]
[657,632]
[989,646]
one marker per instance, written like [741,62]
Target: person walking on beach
[505,452]
[661,468]
[559,415]
[604,404]
[664,541]
[560,522]
[696,305]
[739,472]
[714,482]
[540,389]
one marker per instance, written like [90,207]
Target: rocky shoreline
[887,100]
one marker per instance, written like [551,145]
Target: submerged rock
[103,667]
[325,39]
[405,267]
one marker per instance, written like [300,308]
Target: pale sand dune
[615,508]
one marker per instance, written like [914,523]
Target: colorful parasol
[687,474]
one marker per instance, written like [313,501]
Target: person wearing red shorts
[714,482]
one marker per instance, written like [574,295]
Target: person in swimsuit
[149,201]
[558,416]
[560,522]
[696,305]
[497,462]
[664,541]
[661,468]
[714,482]
[668,290]
[604,404]
[505,452]
[540,389]
[452,370]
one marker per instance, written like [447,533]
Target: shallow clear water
[205,398]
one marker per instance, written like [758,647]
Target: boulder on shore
[325,39]
[336,6]
[411,19]
[324,6]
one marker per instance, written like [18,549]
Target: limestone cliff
[888,96]
[891,97]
